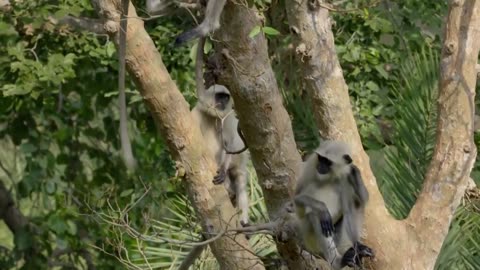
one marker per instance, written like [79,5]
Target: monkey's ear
[324,164]
[347,159]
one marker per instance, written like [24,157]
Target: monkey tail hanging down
[330,199]
[126,146]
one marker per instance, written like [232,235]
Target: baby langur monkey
[330,199]
[210,23]
[214,112]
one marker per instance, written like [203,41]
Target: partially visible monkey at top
[330,199]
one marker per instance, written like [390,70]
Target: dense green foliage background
[59,143]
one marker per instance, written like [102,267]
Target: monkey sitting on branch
[330,200]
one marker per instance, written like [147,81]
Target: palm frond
[461,248]
[414,102]
[160,253]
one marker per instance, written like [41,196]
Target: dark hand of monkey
[220,177]
[321,221]
[326,223]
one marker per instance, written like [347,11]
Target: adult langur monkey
[127,153]
[330,199]
[218,124]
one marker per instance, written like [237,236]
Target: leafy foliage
[60,144]
[162,242]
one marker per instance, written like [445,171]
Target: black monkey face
[324,165]
[221,100]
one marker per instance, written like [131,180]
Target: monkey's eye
[347,159]
[324,164]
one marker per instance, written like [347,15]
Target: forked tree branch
[420,236]
[172,116]
[454,154]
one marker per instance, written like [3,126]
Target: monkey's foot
[353,257]
[364,251]
[244,223]
[220,177]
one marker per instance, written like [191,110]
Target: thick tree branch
[263,118]
[322,74]
[81,24]
[172,116]
[455,151]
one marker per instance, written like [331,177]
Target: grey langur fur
[210,23]
[330,199]
[218,123]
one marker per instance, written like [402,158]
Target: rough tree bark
[455,151]
[263,118]
[393,240]
[172,115]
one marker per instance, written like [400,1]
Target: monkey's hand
[326,223]
[220,177]
[321,221]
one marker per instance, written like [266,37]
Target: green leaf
[28,148]
[270,31]
[14,90]
[381,70]
[255,31]
[50,187]
[72,227]
[23,239]
[125,193]
[372,86]
[110,49]
[57,224]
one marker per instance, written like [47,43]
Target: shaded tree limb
[171,114]
[11,215]
[80,24]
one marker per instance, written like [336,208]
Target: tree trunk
[263,118]
[394,240]
[455,151]
[172,116]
